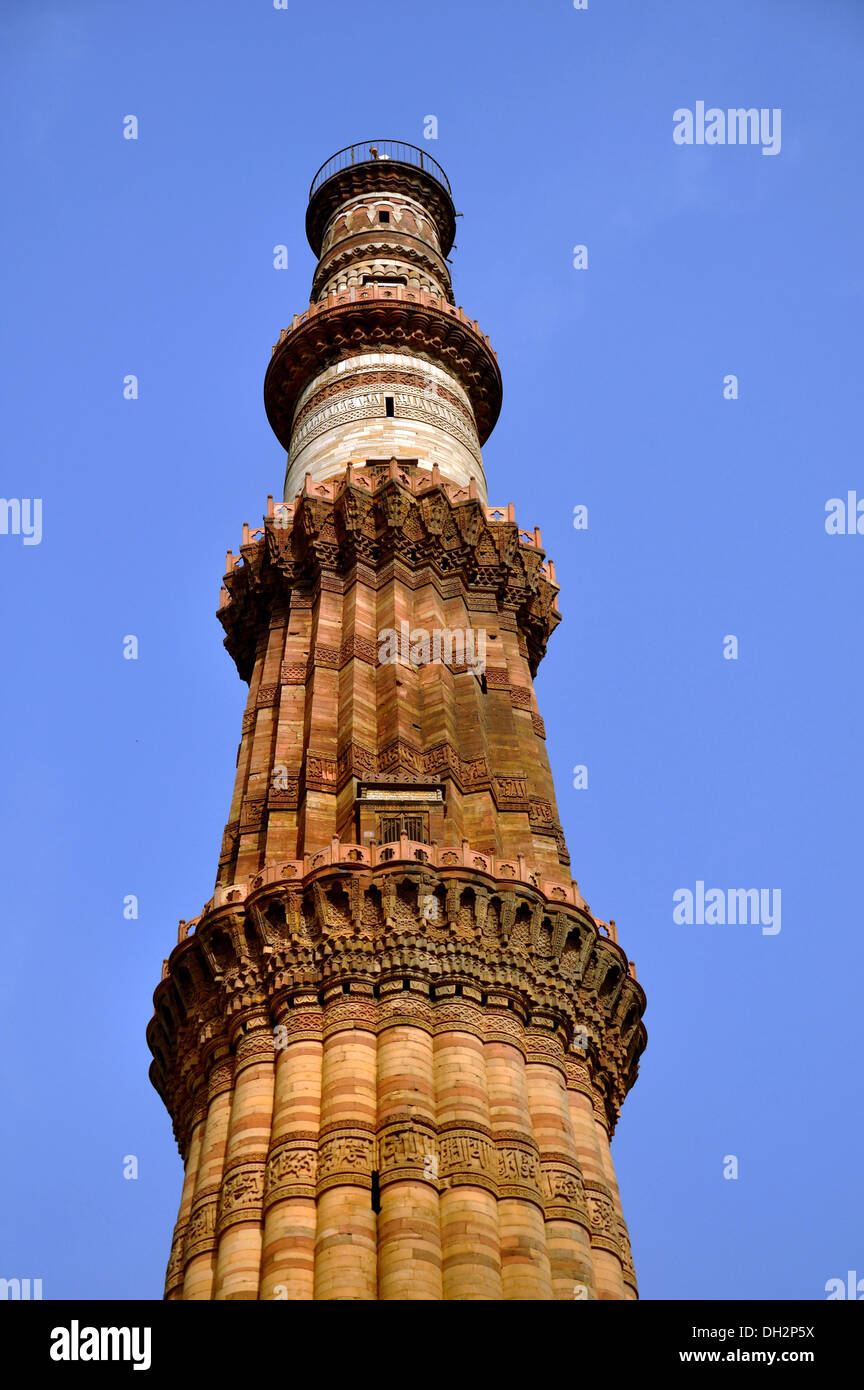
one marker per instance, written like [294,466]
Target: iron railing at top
[370,150]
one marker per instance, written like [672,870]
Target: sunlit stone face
[384,405]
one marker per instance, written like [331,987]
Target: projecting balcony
[369,151]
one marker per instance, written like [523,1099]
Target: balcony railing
[508,871]
[369,151]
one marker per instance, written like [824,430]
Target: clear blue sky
[706,518]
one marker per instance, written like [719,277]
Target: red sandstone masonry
[454,1031]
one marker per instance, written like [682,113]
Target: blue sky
[706,518]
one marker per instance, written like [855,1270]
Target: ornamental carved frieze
[353,405]
[502,941]
[292,1170]
[603,1225]
[220,1078]
[320,773]
[409,518]
[407,1151]
[286,796]
[176,1260]
[501,1024]
[230,836]
[361,648]
[349,1012]
[544,1049]
[254,1048]
[241,1194]
[626,1253]
[563,1189]
[456,1017]
[366,380]
[540,816]
[252,813]
[519,1173]
[404,1010]
[201,1231]
[346,1156]
[511,793]
[467,1156]
[578,1077]
[497,678]
[403,247]
[293,674]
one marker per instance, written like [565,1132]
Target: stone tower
[395,1041]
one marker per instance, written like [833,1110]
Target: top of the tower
[379,166]
[392,151]
[383,364]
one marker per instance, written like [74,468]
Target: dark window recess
[383,217]
[388,405]
[384,280]
[391,827]
[376,1191]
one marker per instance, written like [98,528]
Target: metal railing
[369,151]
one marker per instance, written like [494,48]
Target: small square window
[383,217]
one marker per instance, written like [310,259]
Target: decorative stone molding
[602,1217]
[292,1169]
[467,1155]
[241,1194]
[201,1231]
[519,1174]
[407,1151]
[563,1189]
[377,317]
[176,1260]
[345,1156]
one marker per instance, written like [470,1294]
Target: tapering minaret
[395,1041]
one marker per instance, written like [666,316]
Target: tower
[395,1041]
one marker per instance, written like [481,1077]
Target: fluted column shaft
[610,1215]
[175,1275]
[238,1265]
[201,1239]
[288,1252]
[409,1235]
[566,1213]
[469,1207]
[345,1240]
[525,1268]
